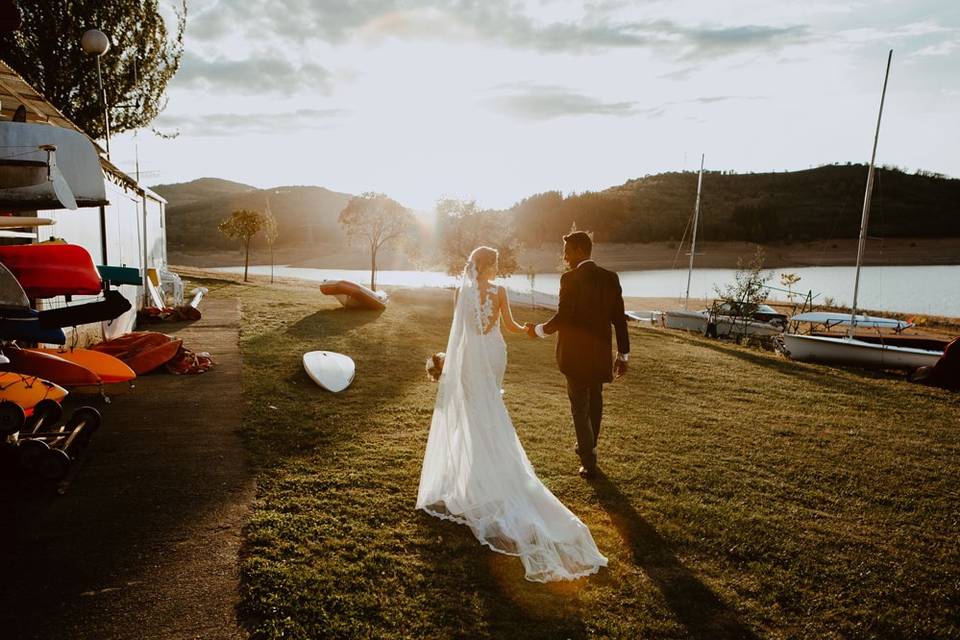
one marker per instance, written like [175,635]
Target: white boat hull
[686,320]
[848,351]
[727,325]
[23,167]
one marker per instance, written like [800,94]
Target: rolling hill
[305,215]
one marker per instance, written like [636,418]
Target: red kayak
[49,270]
[142,351]
[354,296]
[49,367]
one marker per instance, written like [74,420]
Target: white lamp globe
[94,42]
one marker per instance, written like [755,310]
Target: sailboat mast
[867,196]
[693,243]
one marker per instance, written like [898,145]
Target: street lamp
[95,43]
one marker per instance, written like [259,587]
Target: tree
[374,219]
[46,52]
[741,299]
[243,224]
[462,227]
[270,232]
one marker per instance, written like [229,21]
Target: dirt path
[144,542]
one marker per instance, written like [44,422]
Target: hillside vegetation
[305,215]
[824,203]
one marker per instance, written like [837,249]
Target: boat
[142,351]
[108,368]
[332,371]
[684,320]
[28,329]
[26,391]
[48,167]
[645,317]
[13,299]
[50,270]
[354,296]
[49,367]
[113,305]
[848,349]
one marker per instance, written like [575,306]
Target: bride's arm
[507,315]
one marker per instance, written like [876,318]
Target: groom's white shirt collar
[583,262]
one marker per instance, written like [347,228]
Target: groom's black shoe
[588,474]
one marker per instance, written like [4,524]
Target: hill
[305,215]
[797,206]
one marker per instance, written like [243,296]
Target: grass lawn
[742,495]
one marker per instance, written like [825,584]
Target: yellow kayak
[27,391]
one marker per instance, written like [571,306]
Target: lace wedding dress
[475,470]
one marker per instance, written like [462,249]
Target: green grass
[742,495]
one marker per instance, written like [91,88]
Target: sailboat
[699,321]
[685,319]
[848,349]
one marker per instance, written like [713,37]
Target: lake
[931,290]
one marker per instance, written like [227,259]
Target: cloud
[944,48]
[263,73]
[500,22]
[547,102]
[228,124]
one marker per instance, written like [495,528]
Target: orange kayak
[142,351]
[27,391]
[108,368]
[49,367]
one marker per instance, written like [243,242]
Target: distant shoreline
[620,257]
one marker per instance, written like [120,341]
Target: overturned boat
[354,296]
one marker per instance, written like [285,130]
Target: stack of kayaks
[37,271]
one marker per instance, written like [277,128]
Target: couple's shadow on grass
[551,610]
[692,602]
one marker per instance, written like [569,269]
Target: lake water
[931,290]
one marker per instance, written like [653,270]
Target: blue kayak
[29,330]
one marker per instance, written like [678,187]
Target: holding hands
[531,329]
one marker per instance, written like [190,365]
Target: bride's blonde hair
[483,258]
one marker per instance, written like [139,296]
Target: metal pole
[868,194]
[106,110]
[693,243]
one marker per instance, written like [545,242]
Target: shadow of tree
[694,604]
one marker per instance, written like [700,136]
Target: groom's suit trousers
[586,405]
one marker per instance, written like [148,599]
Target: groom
[590,302]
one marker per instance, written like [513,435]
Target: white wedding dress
[475,470]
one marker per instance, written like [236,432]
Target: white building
[121,225]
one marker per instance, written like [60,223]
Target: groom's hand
[531,329]
[619,369]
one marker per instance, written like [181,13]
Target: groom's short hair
[580,240]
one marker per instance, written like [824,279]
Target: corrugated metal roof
[14,91]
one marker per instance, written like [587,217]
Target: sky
[496,100]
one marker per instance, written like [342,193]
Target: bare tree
[270,232]
[374,219]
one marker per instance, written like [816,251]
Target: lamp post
[95,43]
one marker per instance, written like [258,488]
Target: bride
[475,470]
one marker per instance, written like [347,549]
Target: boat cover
[832,319]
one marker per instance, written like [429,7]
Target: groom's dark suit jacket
[590,302]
